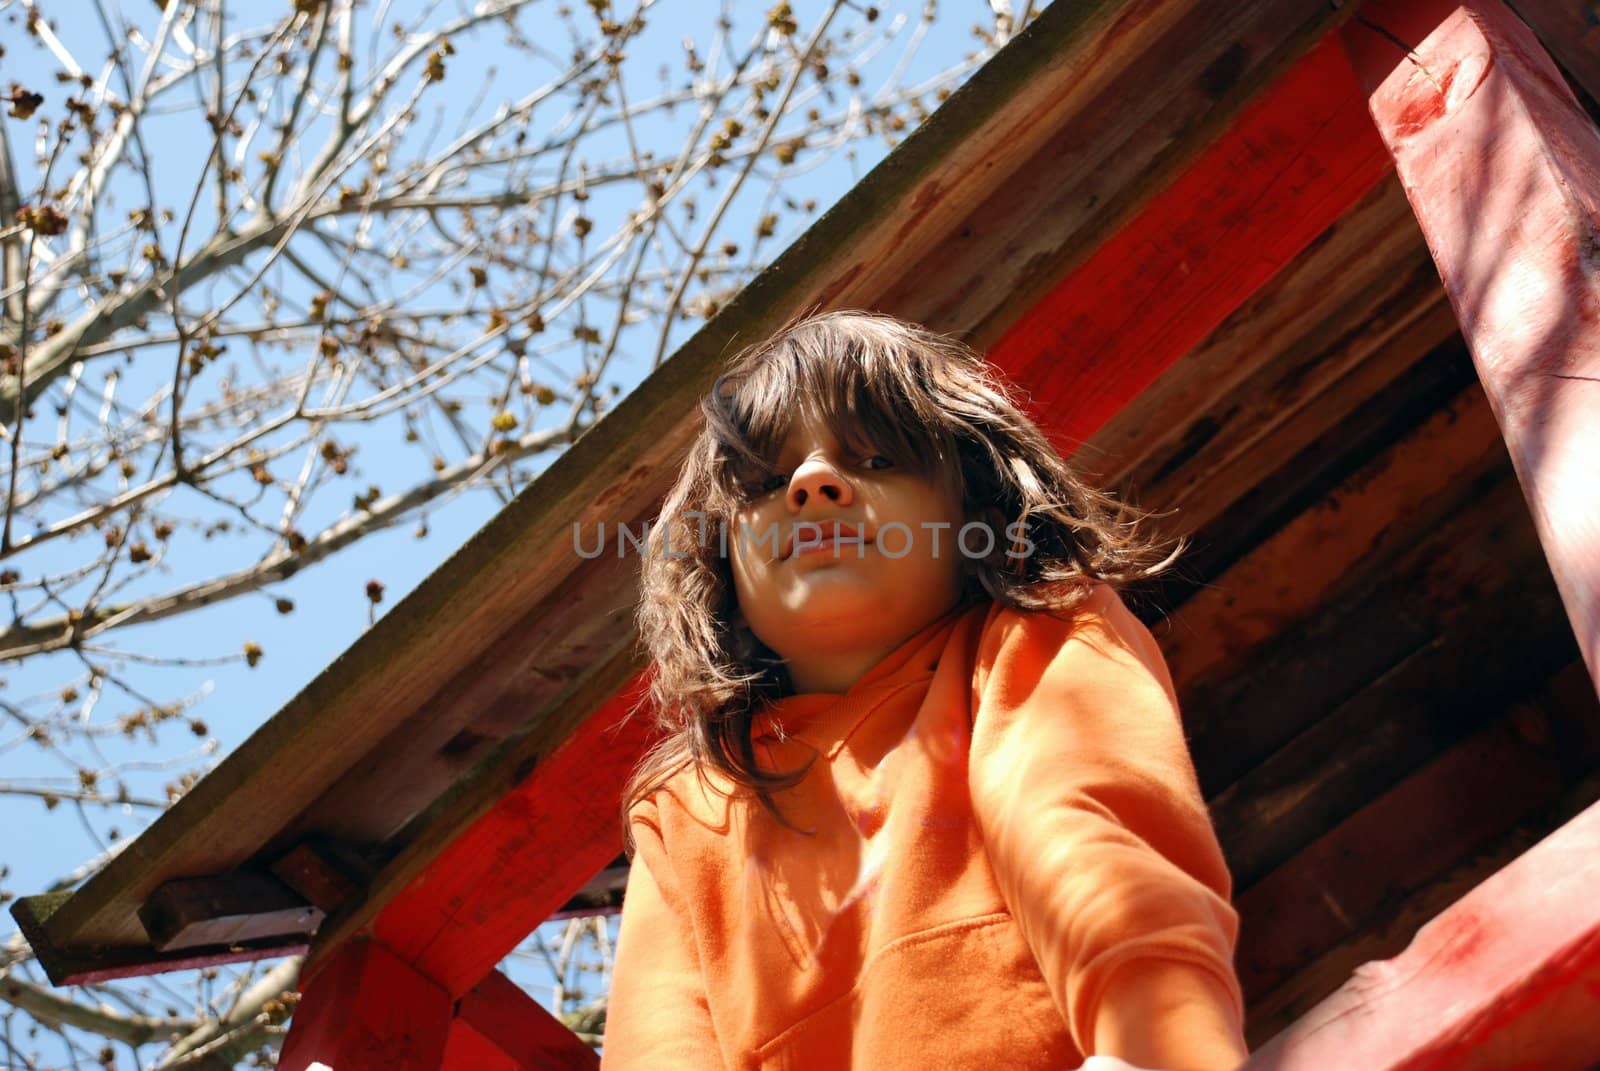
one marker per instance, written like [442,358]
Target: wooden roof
[1174,225]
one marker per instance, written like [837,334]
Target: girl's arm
[657,1017]
[1093,821]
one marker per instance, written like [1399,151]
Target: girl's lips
[830,545]
[813,535]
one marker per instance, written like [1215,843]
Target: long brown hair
[923,399]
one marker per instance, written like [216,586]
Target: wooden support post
[368,1009]
[1507,977]
[1502,168]
[499,1026]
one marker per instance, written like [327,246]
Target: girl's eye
[887,464]
[758,488]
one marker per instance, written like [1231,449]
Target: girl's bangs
[868,413]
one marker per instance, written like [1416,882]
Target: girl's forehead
[808,426]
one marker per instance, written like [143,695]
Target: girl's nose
[817,476]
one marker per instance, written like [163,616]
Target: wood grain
[1349,534]
[1323,286]
[1473,578]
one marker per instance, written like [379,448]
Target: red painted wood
[1506,978]
[1502,167]
[499,1025]
[1290,165]
[468,1050]
[368,1009]
[524,859]
[143,965]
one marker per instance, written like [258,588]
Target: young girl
[925,800]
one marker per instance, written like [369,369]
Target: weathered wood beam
[579,625]
[321,874]
[1353,532]
[1218,708]
[1295,160]
[368,1008]
[1509,976]
[1502,167]
[1152,115]
[1298,396]
[1570,29]
[1386,678]
[1502,646]
[78,965]
[1396,844]
[1569,707]
[1344,276]
[498,1025]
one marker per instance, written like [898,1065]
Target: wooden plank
[225,909]
[1296,312]
[1502,167]
[1497,649]
[78,965]
[1570,29]
[576,628]
[1568,704]
[537,828]
[1299,395]
[517,1027]
[367,1009]
[1111,162]
[1468,572]
[1293,163]
[1466,593]
[1292,482]
[1396,844]
[1509,976]
[874,236]
[313,871]
[1352,533]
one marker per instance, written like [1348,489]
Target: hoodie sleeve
[1091,814]
[657,1016]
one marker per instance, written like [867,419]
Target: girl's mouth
[830,537]
[835,546]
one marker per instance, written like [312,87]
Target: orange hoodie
[1002,830]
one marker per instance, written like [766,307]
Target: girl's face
[814,580]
